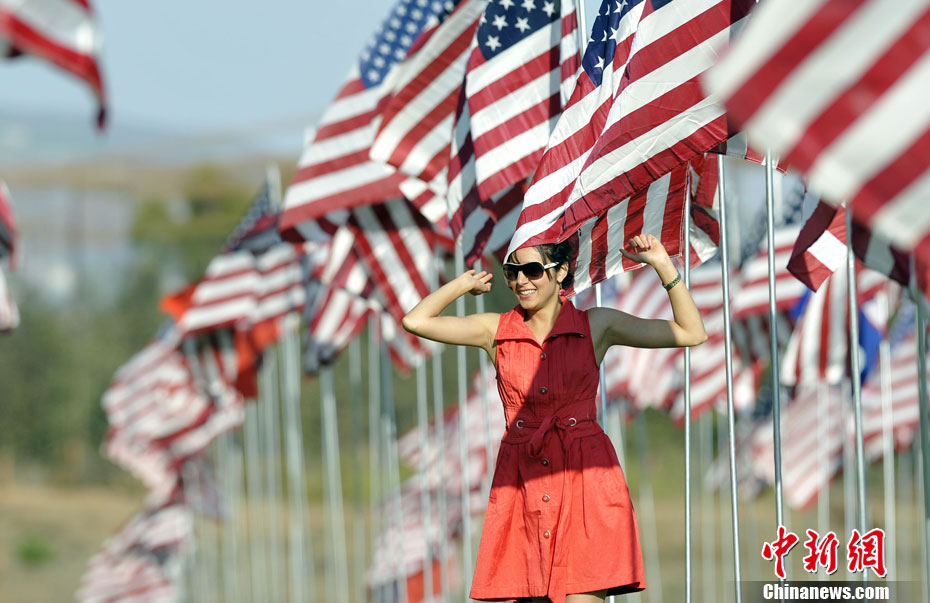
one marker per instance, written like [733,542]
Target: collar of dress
[512,325]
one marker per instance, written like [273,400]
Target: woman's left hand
[646,249]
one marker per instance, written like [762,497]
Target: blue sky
[208,66]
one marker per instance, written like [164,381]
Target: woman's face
[535,293]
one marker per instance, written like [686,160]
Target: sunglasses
[532,270]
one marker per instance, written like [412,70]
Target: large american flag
[837,90]
[335,171]
[63,32]
[416,122]
[523,62]
[636,113]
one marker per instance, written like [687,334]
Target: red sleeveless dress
[559,517]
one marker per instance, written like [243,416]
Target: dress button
[545,498]
[546,534]
[545,461]
[543,390]
[542,356]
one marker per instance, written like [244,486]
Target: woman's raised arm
[476,330]
[613,327]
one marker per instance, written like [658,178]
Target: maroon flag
[636,113]
[836,89]
[63,32]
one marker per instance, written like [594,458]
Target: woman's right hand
[476,283]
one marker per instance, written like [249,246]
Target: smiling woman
[560,523]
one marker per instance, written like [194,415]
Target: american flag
[258,228]
[9,313]
[818,350]
[8,233]
[751,292]
[416,123]
[523,61]
[335,317]
[836,89]
[335,171]
[636,113]
[145,561]
[821,249]
[63,32]
[814,426]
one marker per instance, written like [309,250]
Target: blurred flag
[258,228]
[63,32]
[821,249]
[145,561]
[836,89]
[813,428]
[636,113]
[335,317]
[752,288]
[8,233]
[9,313]
[818,350]
[335,171]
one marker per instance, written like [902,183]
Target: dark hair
[563,253]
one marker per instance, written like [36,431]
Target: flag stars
[522,24]
[416,14]
[412,27]
[507,4]
[548,8]
[493,43]
[399,54]
[528,5]
[500,22]
[384,48]
[406,40]
[620,6]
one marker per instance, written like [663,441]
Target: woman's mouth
[524,293]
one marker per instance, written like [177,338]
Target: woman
[560,523]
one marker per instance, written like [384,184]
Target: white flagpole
[888,477]
[389,434]
[849,488]
[226,468]
[921,326]
[689,526]
[824,422]
[423,438]
[340,583]
[727,554]
[648,512]
[358,534]
[708,507]
[728,352]
[439,414]
[374,426]
[483,392]
[300,571]
[255,496]
[271,424]
[773,337]
[462,380]
[856,374]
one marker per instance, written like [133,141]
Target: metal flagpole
[389,434]
[483,392]
[920,483]
[921,321]
[708,507]
[888,478]
[728,351]
[773,337]
[230,563]
[422,436]
[300,570]
[358,534]
[462,379]
[648,511]
[824,422]
[340,583]
[689,526]
[849,490]
[271,425]
[374,425]
[439,414]
[727,554]
[255,496]
[856,374]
